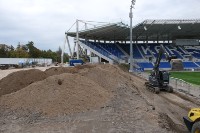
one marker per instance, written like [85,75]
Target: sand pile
[59,94]
[18,80]
[177,65]
[60,70]
[77,89]
[107,76]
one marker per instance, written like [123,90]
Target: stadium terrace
[111,42]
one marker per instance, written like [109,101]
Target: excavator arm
[158,59]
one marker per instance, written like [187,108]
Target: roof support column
[86,40]
[77,38]
[168,39]
[146,39]
[157,38]
[136,40]
[70,51]
[75,42]
[114,38]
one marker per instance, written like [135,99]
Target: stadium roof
[151,30]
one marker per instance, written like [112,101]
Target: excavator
[159,80]
[192,121]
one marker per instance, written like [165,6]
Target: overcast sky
[45,21]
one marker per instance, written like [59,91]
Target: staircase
[102,54]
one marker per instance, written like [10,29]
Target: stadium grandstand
[111,42]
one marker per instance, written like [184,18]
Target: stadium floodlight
[133,2]
[131,37]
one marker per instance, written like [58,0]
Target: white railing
[185,87]
[179,85]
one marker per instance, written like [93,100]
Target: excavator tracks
[151,88]
[157,89]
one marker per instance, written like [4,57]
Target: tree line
[30,51]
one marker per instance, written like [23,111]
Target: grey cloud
[45,22]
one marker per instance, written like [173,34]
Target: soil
[92,98]
[18,80]
[177,65]
[51,97]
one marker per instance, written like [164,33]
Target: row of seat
[140,51]
[186,65]
[96,48]
[105,49]
[151,50]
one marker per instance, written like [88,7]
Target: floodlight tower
[131,37]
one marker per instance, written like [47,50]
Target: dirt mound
[177,65]
[89,87]
[60,70]
[123,99]
[18,80]
[107,76]
[59,94]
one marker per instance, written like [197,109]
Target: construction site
[88,98]
[118,80]
[112,93]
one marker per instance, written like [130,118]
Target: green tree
[59,52]
[19,53]
[3,52]
[12,48]
[33,51]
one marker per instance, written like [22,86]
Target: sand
[88,98]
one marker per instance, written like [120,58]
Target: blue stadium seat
[145,64]
[189,65]
[174,51]
[96,47]
[140,51]
[136,53]
[150,65]
[105,49]
[193,50]
[198,63]
[112,48]
[165,65]
[144,50]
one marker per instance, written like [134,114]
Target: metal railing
[179,85]
[185,87]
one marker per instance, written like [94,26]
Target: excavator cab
[164,78]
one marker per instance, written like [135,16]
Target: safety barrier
[185,87]
[179,85]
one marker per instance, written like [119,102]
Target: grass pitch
[191,77]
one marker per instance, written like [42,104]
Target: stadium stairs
[96,50]
[109,52]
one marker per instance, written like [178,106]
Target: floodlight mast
[77,38]
[131,37]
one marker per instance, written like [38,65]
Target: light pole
[131,37]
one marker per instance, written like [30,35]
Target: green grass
[191,77]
